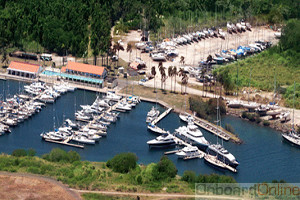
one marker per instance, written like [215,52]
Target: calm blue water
[263,156]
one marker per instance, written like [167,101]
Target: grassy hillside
[265,66]
[67,168]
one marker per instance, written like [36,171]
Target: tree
[162,73]
[5,59]
[31,152]
[182,61]
[175,73]
[164,169]
[129,49]
[170,74]
[290,38]
[153,72]
[100,29]
[123,162]
[180,73]
[118,48]
[19,153]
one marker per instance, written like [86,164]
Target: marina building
[87,70]
[23,69]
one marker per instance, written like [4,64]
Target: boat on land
[164,140]
[292,137]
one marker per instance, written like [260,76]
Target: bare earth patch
[16,186]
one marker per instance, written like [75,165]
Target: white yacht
[82,139]
[222,154]
[152,114]
[124,106]
[113,96]
[162,141]
[214,161]
[186,117]
[188,151]
[192,135]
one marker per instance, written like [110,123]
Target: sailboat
[236,103]
[292,137]
[217,155]
[249,105]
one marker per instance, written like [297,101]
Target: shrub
[266,123]
[123,162]
[19,153]
[257,119]
[139,179]
[164,169]
[60,155]
[189,176]
[33,170]
[31,152]
[229,128]
[244,115]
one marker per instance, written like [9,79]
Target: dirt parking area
[25,187]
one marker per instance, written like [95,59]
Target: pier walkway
[162,116]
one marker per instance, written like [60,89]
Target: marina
[261,144]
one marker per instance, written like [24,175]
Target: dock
[212,129]
[65,142]
[217,130]
[160,117]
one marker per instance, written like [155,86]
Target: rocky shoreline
[274,124]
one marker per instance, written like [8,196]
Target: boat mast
[274,87]
[293,125]
[217,122]
[249,85]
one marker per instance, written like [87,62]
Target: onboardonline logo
[249,190]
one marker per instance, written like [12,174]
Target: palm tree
[181,73]
[5,59]
[162,73]
[153,72]
[170,74]
[175,73]
[182,61]
[129,49]
[118,47]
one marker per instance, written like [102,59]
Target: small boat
[292,137]
[82,139]
[113,96]
[186,117]
[164,140]
[189,151]
[158,57]
[274,112]
[72,124]
[156,129]
[234,104]
[152,114]
[251,105]
[285,116]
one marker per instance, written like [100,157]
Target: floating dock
[162,116]
[213,129]
[65,143]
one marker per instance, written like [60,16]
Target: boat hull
[287,139]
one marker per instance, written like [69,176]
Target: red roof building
[24,69]
[84,69]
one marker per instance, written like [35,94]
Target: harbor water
[263,156]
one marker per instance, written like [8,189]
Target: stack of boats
[93,120]
[20,107]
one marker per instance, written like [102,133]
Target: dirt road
[28,186]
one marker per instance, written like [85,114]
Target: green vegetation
[123,162]
[266,123]
[72,26]
[280,63]
[205,109]
[67,168]
[229,128]
[23,152]
[93,196]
